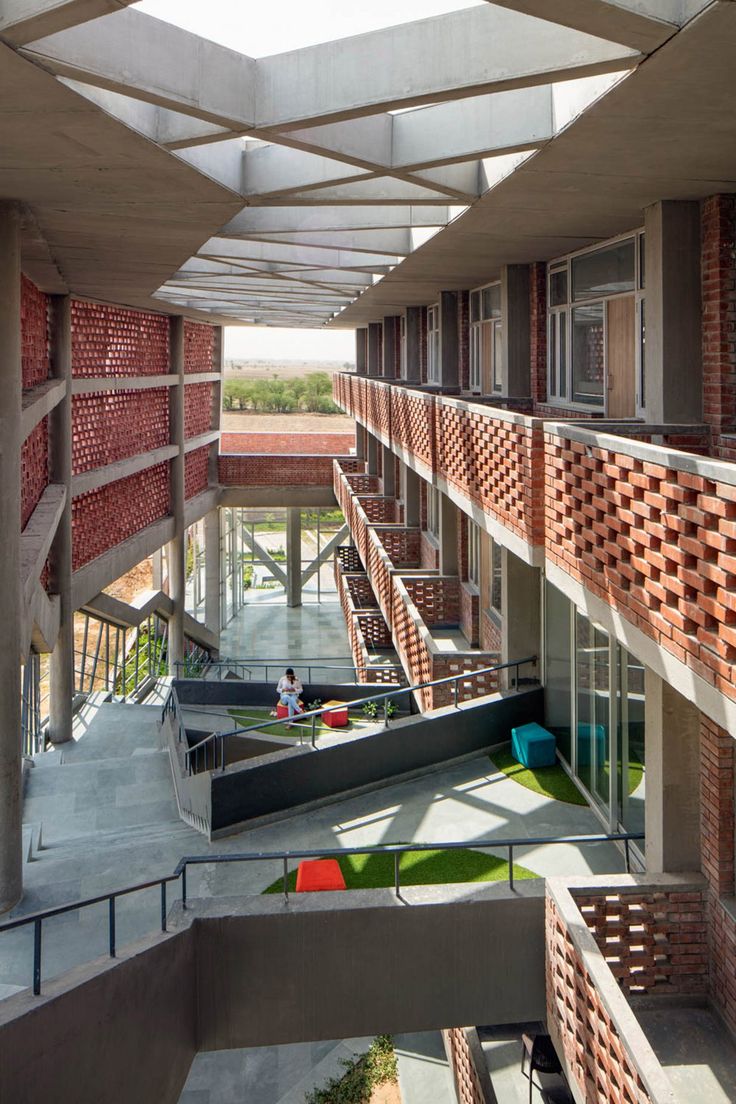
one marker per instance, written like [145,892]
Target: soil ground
[388,1093]
[233,421]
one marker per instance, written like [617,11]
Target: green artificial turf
[376,871]
[256,714]
[548,781]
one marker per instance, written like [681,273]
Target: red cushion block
[319,874]
[282,711]
[336,718]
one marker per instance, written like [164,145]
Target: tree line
[312,393]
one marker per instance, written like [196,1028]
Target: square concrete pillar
[448,536]
[388,467]
[212,571]
[361,351]
[449,360]
[372,447]
[391,351]
[360,441]
[674,371]
[672,810]
[374,343]
[413,370]
[515,331]
[293,556]
[411,495]
[521,612]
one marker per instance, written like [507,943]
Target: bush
[275,396]
[362,1075]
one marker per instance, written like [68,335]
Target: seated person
[289,688]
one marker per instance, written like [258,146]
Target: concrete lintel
[41,622]
[36,538]
[23,21]
[196,508]
[193,443]
[39,402]
[307,497]
[95,384]
[202,377]
[121,469]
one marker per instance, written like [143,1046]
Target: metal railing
[217,756]
[37,919]
[244,669]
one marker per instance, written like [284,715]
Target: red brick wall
[116,341]
[463,339]
[490,630]
[429,553]
[470,613]
[538,330]
[197,408]
[280,471]
[34,463]
[199,347]
[196,471]
[34,332]
[106,517]
[307,444]
[436,597]
[112,425]
[718,269]
[467,1083]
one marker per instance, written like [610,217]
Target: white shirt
[286,686]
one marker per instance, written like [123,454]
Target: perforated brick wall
[116,341]
[196,471]
[34,465]
[657,543]
[437,598]
[581,1026]
[401,545]
[279,471]
[307,444]
[199,347]
[107,516]
[197,408]
[349,558]
[34,334]
[111,425]
[379,508]
[467,1083]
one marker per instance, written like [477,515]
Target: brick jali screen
[112,425]
[115,341]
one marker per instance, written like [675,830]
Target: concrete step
[32,844]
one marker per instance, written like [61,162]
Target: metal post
[628,858]
[286,880]
[36,957]
[455,694]
[397,859]
[314,730]
[83,664]
[511,867]
[183,887]
[163,906]
[111,923]
[385,712]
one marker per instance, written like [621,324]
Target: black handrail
[395,849]
[313,714]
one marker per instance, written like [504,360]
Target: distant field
[285,370]
[234,421]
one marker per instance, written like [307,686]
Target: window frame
[479,318]
[474,553]
[433,344]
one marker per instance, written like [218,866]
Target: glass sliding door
[558,669]
[593,702]
[631,740]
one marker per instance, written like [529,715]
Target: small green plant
[371,710]
[312,705]
[362,1074]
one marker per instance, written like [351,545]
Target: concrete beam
[391,243]
[23,21]
[446,57]
[643,25]
[309,220]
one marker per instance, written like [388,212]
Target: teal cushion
[533,746]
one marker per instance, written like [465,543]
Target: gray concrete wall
[237,692]
[291,779]
[256,972]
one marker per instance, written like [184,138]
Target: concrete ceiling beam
[23,21]
[310,220]
[224,248]
[394,243]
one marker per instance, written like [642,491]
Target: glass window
[497,357]
[642,260]
[473,553]
[608,271]
[558,287]
[476,357]
[557,386]
[558,670]
[588,354]
[491,302]
[496,590]
[433,345]
[631,742]
[475,306]
[433,511]
[642,354]
[592,681]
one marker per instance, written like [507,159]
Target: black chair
[542,1056]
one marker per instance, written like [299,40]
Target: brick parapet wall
[279,470]
[196,471]
[596,1055]
[34,334]
[117,341]
[198,399]
[111,514]
[290,444]
[436,597]
[379,508]
[112,425]
[718,276]
[34,465]
[468,1088]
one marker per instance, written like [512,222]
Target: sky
[262,29]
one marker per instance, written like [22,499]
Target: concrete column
[521,620]
[157,569]
[411,495]
[293,556]
[391,364]
[360,441]
[515,331]
[449,362]
[61,670]
[389,472]
[374,348]
[672,809]
[361,351]
[413,344]
[176,552]
[372,447]
[674,375]
[212,571]
[448,536]
[11,870]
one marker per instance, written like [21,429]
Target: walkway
[424,1072]
[272,630]
[696,1051]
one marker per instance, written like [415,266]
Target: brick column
[61,672]
[716,806]
[718,274]
[177,548]
[11,869]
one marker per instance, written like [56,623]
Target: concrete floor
[502,1050]
[424,1072]
[273,631]
[697,1052]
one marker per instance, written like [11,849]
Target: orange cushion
[319,874]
